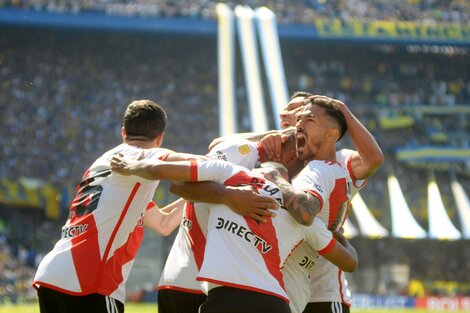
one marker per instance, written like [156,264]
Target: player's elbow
[306,220]
[375,160]
[350,266]
[378,159]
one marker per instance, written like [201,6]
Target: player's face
[311,130]
[288,115]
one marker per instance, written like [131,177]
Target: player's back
[98,238]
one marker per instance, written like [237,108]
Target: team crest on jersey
[318,188]
[244,149]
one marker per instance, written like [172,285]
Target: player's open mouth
[300,142]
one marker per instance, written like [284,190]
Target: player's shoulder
[322,165]
[240,146]
[343,155]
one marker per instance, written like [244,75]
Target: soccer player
[178,289]
[328,290]
[242,258]
[87,269]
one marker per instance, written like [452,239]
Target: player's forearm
[366,145]
[164,221]
[209,192]
[302,206]
[350,250]
[175,171]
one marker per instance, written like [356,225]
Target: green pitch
[152,308]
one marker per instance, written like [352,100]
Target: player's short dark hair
[302,94]
[333,110]
[144,119]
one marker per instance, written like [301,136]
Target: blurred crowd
[297,11]
[63,94]
[24,237]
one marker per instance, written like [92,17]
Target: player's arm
[249,136]
[342,254]
[368,156]
[242,200]
[164,220]
[173,156]
[155,169]
[301,205]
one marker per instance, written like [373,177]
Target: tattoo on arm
[302,206]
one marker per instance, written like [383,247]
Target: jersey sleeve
[156,153]
[319,237]
[238,151]
[344,157]
[317,179]
[213,170]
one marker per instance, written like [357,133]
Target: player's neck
[142,144]
[325,155]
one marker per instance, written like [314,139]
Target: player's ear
[159,139]
[333,134]
[123,133]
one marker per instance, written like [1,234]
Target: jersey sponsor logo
[73,231]
[244,233]
[307,263]
[221,156]
[187,223]
[244,149]
[318,188]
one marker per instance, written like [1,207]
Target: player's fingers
[258,218]
[264,212]
[267,203]
[266,145]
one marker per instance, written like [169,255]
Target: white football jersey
[187,252]
[308,276]
[101,238]
[244,254]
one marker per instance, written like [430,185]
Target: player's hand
[341,104]
[120,165]
[244,200]
[272,143]
[125,165]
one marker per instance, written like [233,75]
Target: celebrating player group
[259,220]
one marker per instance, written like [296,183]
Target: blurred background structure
[69,68]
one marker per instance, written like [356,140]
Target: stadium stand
[62,93]
[297,11]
